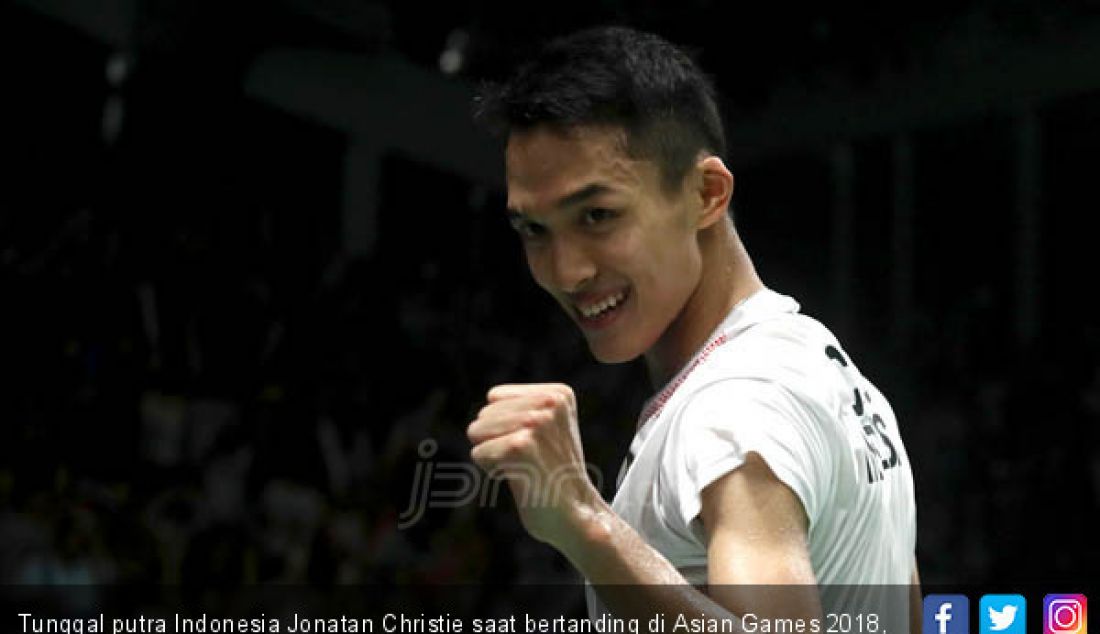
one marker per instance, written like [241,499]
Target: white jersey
[777,383]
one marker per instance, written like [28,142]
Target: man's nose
[570,265]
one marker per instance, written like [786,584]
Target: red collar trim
[658,403]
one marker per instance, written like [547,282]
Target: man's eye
[596,215]
[528,229]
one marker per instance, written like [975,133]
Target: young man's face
[618,252]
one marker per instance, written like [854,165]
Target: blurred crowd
[193,423]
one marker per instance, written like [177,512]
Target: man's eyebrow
[581,195]
[584,193]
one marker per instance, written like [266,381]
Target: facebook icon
[946,614]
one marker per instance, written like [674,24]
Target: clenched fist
[527,434]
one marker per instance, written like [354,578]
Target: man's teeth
[595,309]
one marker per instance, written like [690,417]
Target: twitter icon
[1002,614]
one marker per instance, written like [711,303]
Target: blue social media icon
[1002,614]
[946,614]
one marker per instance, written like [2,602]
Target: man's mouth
[600,311]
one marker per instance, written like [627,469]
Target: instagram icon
[1065,614]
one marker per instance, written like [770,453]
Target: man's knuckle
[519,441]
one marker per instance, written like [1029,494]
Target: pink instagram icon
[1065,614]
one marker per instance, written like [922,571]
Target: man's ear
[715,190]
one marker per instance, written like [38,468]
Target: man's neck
[727,278]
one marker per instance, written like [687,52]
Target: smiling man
[764,459]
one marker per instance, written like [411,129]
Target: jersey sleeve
[725,421]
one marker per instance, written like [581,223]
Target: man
[765,458]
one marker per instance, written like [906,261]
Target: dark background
[214,370]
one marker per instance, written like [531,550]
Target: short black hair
[614,76]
